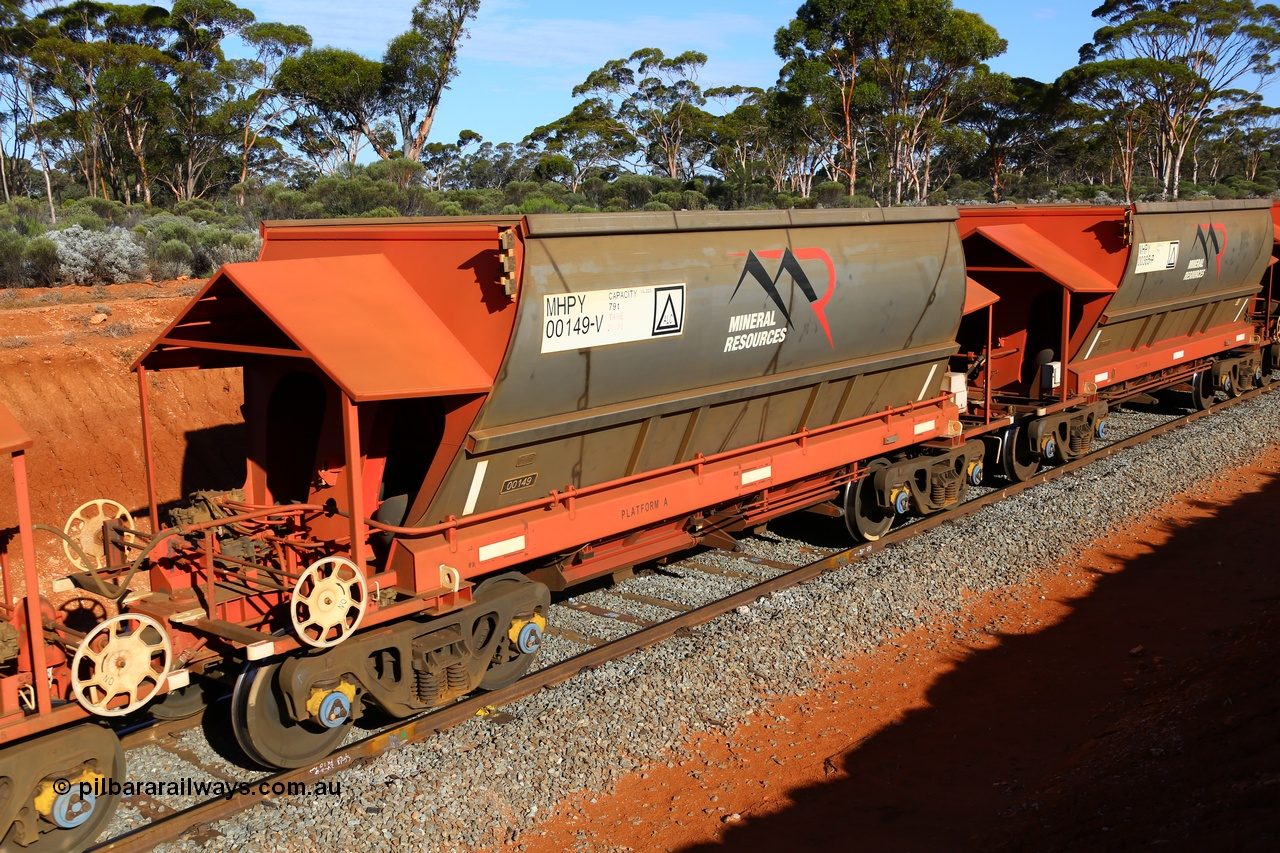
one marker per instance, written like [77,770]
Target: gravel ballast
[482,783]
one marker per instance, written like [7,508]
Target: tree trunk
[997,181]
[44,162]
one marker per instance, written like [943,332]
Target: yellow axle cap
[45,799]
[318,693]
[517,625]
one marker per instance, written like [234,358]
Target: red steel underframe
[561,523]
[1121,367]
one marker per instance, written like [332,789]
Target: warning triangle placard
[668,310]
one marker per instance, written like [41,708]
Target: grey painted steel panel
[897,287]
[588,415]
[1249,237]
[584,224]
[1223,251]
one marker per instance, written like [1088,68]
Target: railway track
[587,631]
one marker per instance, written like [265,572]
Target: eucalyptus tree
[739,136]
[442,161]
[895,70]
[68,55]
[823,50]
[259,107]
[926,64]
[798,145]
[202,78]
[134,92]
[10,15]
[418,65]
[1114,98]
[1014,118]
[23,88]
[589,140]
[1258,133]
[491,166]
[339,106]
[1182,58]
[653,101]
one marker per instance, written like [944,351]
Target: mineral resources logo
[747,331]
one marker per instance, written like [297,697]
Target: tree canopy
[876,102]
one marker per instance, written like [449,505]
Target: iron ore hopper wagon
[450,419]
[1087,306]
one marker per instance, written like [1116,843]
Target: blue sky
[524,57]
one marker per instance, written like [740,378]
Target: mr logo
[1207,239]
[791,265]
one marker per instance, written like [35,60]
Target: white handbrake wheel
[127,655]
[85,527]
[328,602]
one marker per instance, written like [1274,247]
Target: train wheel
[512,655]
[264,730]
[863,517]
[55,820]
[1231,383]
[1270,363]
[1202,393]
[1018,459]
[180,704]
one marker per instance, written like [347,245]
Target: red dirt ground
[1127,700]
[66,379]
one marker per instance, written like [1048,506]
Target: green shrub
[27,226]
[673,200]
[380,213]
[656,205]
[12,245]
[694,200]
[105,209]
[213,237]
[171,259]
[831,193]
[541,204]
[518,191]
[637,190]
[198,209]
[40,262]
[86,219]
[21,206]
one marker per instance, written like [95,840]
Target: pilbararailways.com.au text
[187,787]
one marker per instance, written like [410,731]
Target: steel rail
[430,723]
